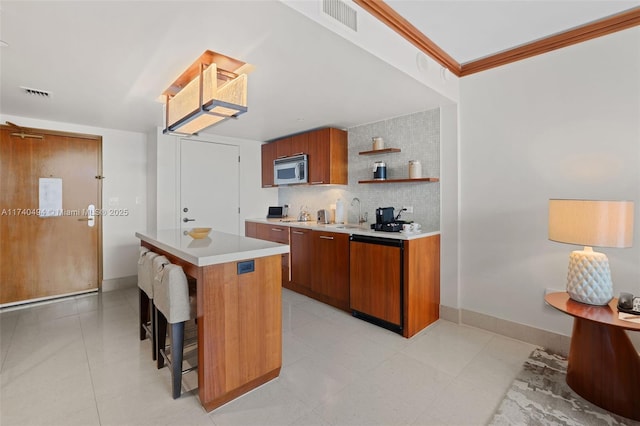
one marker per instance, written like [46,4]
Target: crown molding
[387,15]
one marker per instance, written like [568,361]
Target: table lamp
[590,223]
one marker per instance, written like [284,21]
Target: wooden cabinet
[274,233]
[326,150]
[421,283]
[268,155]
[330,270]
[301,259]
[328,158]
[396,287]
[284,147]
[300,144]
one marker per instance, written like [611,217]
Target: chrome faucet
[361,219]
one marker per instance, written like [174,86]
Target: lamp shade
[591,223]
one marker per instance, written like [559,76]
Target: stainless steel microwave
[290,170]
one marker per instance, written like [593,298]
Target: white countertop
[218,247]
[350,229]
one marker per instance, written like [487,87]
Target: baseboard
[554,342]
[119,283]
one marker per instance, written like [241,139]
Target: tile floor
[79,362]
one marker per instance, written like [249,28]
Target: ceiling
[106,62]
[469,30]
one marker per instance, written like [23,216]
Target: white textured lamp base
[589,277]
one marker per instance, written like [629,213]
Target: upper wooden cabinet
[268,155]
[326,150]
[328,157]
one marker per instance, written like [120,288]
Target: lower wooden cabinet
[301,253]
[330,268]
[274,233]
[373,279]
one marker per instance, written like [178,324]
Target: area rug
[540,396]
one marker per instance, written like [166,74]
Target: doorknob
[185,220]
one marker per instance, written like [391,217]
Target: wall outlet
[408,209]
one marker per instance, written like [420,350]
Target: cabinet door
[375,281]
[300,144]
[328,157]
[319,154]
[284,147]
[301,247]
[330,277]
[251,229]
[276,234]
[268,155]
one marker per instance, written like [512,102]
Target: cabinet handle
[298,232]
[316,183]
[277,229]
[325,237]
[267,186]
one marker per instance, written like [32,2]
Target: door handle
[185,220]
[324,237]
[91,215]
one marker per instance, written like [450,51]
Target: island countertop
[218,247]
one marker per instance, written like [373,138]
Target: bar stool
[173,306]
[145,296]
[159,262]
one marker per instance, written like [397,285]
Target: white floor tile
[80,361]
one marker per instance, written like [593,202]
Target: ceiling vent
[341,12]
[36,92]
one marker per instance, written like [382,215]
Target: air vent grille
[36,92]
[341,12]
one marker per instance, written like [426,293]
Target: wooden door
[47,256]
[209,186]
[330,277]
[300,144]
[319,154]
[268,155]
[301,257]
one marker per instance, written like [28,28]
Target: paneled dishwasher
[376,280]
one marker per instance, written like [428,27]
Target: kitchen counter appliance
[278,212]
[385,220]
[376,280]
[290,170]
[324,216]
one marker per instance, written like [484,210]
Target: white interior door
[209,186]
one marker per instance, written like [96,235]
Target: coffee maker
[385,220]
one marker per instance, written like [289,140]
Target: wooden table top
[607,314]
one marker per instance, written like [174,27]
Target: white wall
[564,124]
[164,178]
[124,167]
[449,210]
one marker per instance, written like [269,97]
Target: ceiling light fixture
[211,90]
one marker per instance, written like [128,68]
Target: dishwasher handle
[392,242]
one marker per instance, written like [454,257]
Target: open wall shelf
[428,179]
[380,151]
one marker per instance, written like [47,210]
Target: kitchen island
[238,308]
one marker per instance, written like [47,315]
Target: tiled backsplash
[418,136]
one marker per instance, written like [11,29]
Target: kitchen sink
[349,227]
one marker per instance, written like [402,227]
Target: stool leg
[154,332]
[177,349]
[161,336]
[144,312]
